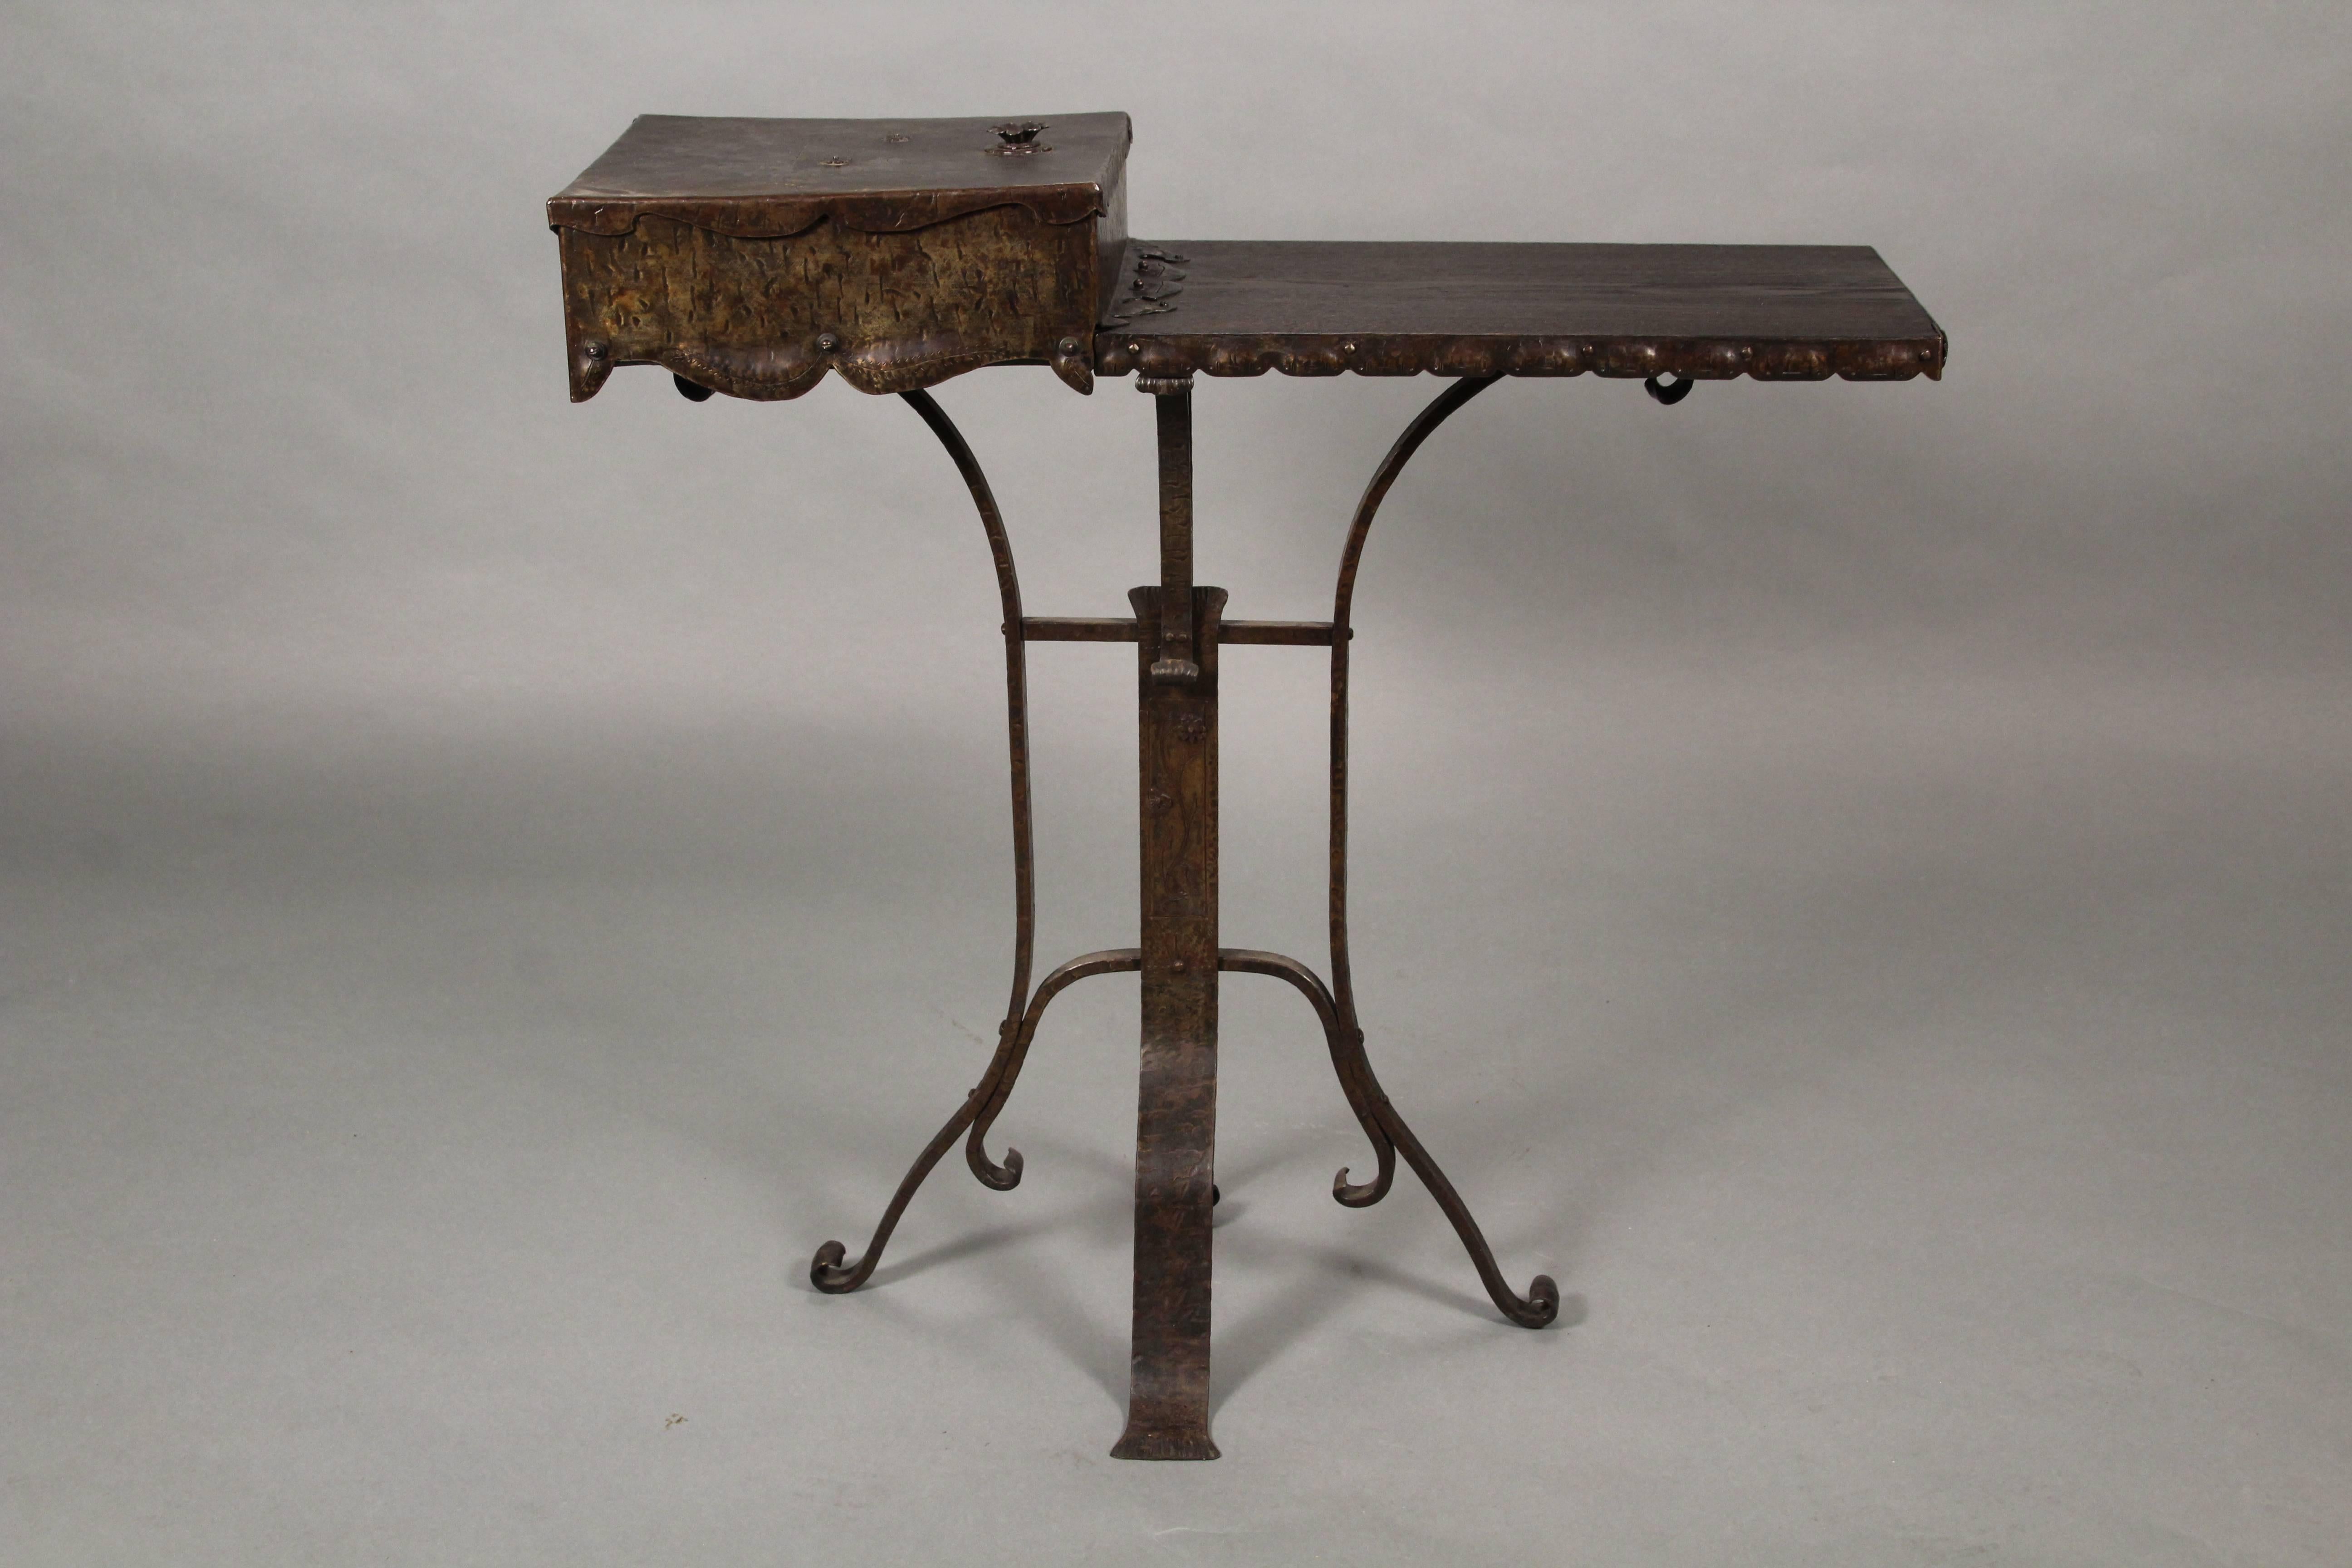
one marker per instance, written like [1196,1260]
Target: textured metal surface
[1172,411]
[1776,312]
[1149,279]
[1018,138]
[752,257]
[767,318]
[1176,1111]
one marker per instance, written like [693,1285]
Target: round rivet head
[1135,348]
[826,342]
[595,351]
[1068,345]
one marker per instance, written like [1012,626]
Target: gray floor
[1931,1094]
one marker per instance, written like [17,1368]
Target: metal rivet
[1177,967]
[1135,348]
[826,342]
[595,351]
[1068,345]
[1927,353]
[1347,347]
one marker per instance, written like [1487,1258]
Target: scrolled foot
[828,1274]
[1346,1043]
[1357,1195]
[1002,1178]
[1541,1306]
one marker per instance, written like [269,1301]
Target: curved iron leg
[1347,1059]
[828,1272]
[1017,690]
[1110,960]
[1541,1304]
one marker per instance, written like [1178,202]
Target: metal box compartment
[750,256]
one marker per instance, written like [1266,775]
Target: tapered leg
[1176,1110]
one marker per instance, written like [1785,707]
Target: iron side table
[752,257]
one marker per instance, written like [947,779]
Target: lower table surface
[1792,312]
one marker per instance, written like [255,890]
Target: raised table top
[755,257]
[1782,312]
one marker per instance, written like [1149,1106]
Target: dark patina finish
[1704,312]
[1180,958]
[750,256]
[753,256]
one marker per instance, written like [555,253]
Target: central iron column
[1176,1114]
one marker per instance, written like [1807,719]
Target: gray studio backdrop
[1854,880]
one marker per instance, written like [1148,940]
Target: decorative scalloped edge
[769,376]
[1121,352]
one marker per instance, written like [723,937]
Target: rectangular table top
[1706,311]
[774,177]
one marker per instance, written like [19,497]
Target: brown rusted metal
[1016,686]
[979,1111]
[1541,1304]
[1018,138]
[1172,401]
[1708,312]
[1175,1140]
[1179,955]
[1080,628]
[1149,279]
[750,256]
[1346,1046]
[1122,628]
[1110,960]
[753,256]
[1343,600]
[829,1272]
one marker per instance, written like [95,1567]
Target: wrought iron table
[752,257]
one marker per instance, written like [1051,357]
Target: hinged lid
[767,178]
